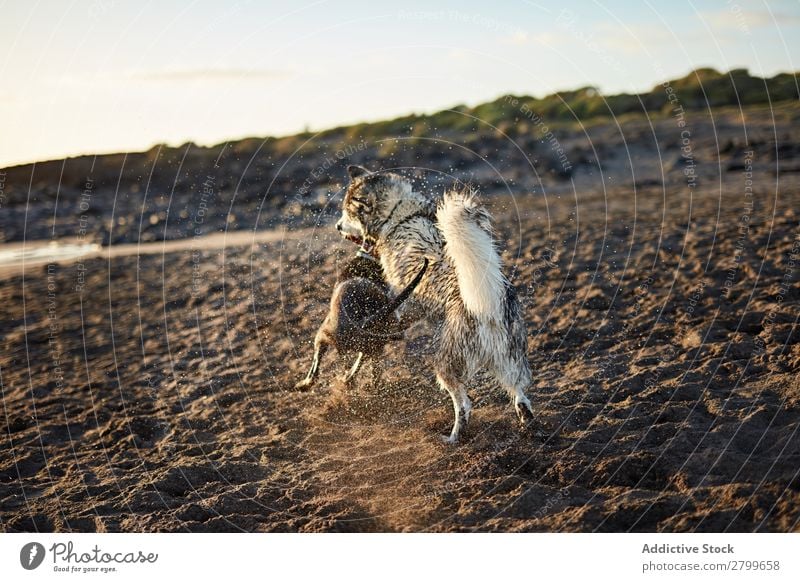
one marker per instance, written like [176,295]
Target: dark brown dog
[362,317]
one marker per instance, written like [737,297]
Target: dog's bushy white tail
[467,230]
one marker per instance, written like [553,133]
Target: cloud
[549,39]
[637,38]
[518,38]
[184,75]
[522,38]
[740,19]
[457,54]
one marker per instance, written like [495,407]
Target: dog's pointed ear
[357,171]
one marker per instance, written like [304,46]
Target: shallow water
[18,257]
[38,252]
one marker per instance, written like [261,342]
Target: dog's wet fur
[465,295]
[362,318]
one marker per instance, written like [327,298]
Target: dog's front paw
[525,415]
[528,425]
[304,384]
[449,439]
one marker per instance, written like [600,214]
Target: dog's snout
[339,226]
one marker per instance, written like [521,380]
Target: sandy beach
[152,391]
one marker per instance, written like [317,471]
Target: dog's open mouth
[366,245]
[354,238]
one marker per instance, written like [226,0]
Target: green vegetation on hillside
[700,89]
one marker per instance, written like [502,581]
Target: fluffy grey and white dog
[464,293]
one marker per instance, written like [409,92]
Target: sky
[101,76]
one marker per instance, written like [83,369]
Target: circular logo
[31,555]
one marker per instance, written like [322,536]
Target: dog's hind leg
[452,370]
[462,407]
[349,379]
[376,370]
[511,365]
[320,347]
[522,405]
[515,377]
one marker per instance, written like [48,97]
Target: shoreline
[21,257]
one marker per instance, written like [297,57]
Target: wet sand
[153,391]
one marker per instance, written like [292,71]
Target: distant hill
[260,182]
[701,89]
